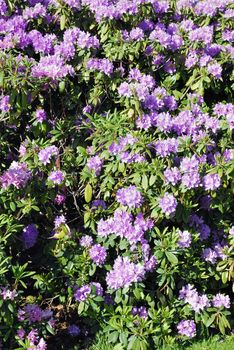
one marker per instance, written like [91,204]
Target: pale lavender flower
[190,295]
[211,181]
[124,273]
[187,328]
[45,154]
[231,231]
[215,69]
[40,115]
[86,241]
[17,175]
[56,176]
[221,300]
[59,220]
[168,203]
[8,294]
[150,264]
[98,254]
[95,163]
[33,336]
[185,239]
[172,175]
[41,345]
[129,196]
[209,255]
[5,103]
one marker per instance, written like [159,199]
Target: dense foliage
[116,172]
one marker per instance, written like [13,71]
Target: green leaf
[62,21]
[81,307]
[144,182]
[172,258]
[88,193]
[112,337]
[12,206]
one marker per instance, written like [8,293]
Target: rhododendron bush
[116,172]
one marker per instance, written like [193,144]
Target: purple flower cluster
[196,301]
[121,147]
[86,241]
[140,311]
[33,314]
[32,338]
[221,300]
[82,293]
[45,154]
[124,273]
[17,175]
[8,294]
[95,163]
[102,65]
[185,239]
[29,236]
[5,103]
[211,181]
[168,204]
[56,176]
[187,328]
[40,115]
[98,254]
[129,196]
[123,226]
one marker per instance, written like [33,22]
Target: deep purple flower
[60,199]
[82,293]
[99,203]
[29,236]
[98,288]
[73,330]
